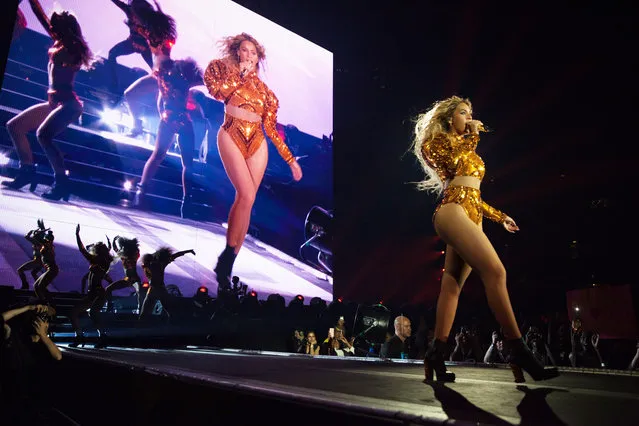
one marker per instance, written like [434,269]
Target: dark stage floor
[395,390]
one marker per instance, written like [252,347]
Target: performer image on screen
[160,33]
[154,266]
[249,106]
[99,259]
[445,141]
[174,79]
[134,43]
[67,56]
[20,24]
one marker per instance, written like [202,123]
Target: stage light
[203,289]
[300,297]
[443,252]
[111,117]
[66,173]
[275,303]
[340,300]
[318,302]
[253,293]
[127,185]
[145,285]
[317,233]
[296,302]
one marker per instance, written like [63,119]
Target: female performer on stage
[34,265]
[67,56]
[44,240]
[99,259]
[154,266]
[129,253]
[249,105]
[445,141]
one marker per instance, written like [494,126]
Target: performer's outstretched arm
[125,7]
[42,17]
[492,213]
[81,247]
[270,121]
[181,253]
[31,238]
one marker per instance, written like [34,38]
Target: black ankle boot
[141,200]
[224,268]
[26,176]
[434,363]
[61,189]
[102,340]
[136,130]
[77,341]
[521,358]
[25,284]
[187,207]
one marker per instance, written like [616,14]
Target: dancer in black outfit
[44,240]
[129,253]
[34,265]
[154,266]
[99,259]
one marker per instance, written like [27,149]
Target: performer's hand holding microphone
[246,67]
[476,126]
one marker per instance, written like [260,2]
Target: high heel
[79,340]
[26,176]
[186,209]
[61,189]
[434,363]
[136,130]
[521,359]
[102,340]
[141,200]
[224,268]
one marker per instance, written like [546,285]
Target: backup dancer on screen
[134,43]
[67,56]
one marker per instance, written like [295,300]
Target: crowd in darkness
[28,355]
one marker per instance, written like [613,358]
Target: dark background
[558,86]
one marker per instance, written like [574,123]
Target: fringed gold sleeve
[270,121]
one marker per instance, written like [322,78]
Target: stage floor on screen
[262,267]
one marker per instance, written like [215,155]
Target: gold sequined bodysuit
[453,156]
[250,93]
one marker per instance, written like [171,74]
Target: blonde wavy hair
[230,48]
[432,123]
